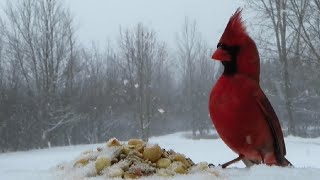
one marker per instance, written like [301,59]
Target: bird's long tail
[286,162]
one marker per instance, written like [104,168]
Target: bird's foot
[231,162]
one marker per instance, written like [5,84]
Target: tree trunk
[288,102]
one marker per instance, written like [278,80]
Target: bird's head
[236,50]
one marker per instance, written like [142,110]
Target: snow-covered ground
[303,153]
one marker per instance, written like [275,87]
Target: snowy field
[303,153]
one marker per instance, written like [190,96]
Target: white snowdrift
[42,164]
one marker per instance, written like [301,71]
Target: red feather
[240,111]
[235,28]
[273,122]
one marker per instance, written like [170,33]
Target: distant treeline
[56,91]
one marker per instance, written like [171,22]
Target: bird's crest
[235,31]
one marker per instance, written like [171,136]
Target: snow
[136,85]
[42,164]
[125,82]
[161,111]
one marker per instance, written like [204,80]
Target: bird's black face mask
[230,67]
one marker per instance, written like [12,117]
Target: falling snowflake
[161,111]
[136,85]
[125,82]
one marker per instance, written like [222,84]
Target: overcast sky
[99,20]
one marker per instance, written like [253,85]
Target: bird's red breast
[235,109]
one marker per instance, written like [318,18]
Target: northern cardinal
[240,111]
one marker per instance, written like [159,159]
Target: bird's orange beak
[221,55]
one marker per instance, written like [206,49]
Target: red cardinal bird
[240,111]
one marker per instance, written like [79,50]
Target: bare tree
[187,51]
[307,15]
[142,55]
[205,75]
[291,32]
[276,12]
[306,23]
[41,41]
[198,75]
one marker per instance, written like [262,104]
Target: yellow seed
[180,170]
[163,163]
[113,142]
[126,150]
[139,147]
[178,167]
[81,162]
[102,163]
[182,158]
[135,142]
[152,153]
[130,176]
[202,166]
[165,173]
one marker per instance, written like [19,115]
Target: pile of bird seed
[131,160]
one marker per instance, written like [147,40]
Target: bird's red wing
[274,124]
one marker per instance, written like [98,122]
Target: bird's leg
[232,161]
[262,158]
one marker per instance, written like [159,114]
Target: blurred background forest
[55,91]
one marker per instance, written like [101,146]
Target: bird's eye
[227,48]
[221,45]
